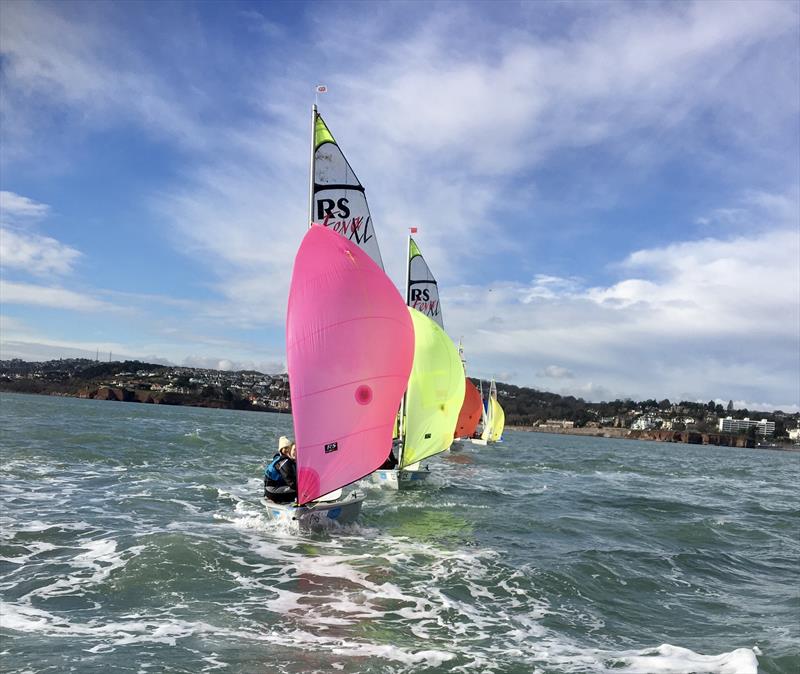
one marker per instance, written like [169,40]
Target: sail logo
[422,302]
[325,208]
[430,308]
[331,447]
[356,228]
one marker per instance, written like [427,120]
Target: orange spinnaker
[470,413]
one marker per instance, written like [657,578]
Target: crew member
[280,476]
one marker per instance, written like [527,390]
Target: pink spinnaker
[349,348]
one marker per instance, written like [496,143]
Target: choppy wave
[157,555]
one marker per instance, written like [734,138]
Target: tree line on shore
[523,406]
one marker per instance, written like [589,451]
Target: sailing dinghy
[482,430]
[349,350]
[349,345]
[498,416]
[470,414]
[471,409]
[435,392]
[493,418]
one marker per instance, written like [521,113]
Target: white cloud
[34,253]
[273,366]
[446,132]
[440,134]
[14,206]
[25,250]
[18,339]
[85,62]
[556,372]
[695,319]
[53,297]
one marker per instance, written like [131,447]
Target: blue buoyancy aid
[271,471]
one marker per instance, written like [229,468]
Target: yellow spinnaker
[498,420]
[435,392]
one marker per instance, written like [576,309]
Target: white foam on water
[442,504]
[668,659]
[93,566]
[102,549]
[284,601]
[37,526]
[190,507]
[338,646]
[213,663]
[25,618]
[34,548]
[225,495]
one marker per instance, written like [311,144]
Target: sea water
[134,540]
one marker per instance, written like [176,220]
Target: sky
[607,193]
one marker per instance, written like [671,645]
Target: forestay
[435,392]
[349,348]
[423,292]
[338,200]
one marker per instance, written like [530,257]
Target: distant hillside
[248,389]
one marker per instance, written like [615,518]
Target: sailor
[280,476]
[391,460]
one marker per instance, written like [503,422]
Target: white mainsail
[487,412]
[337,199]
[422,290]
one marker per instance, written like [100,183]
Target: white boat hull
[400,479]
[318,514]
[478,441]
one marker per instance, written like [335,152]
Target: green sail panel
[423,291]
[435,392]
[339,201]
[322,134]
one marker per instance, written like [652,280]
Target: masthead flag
[413,230]
[322,89]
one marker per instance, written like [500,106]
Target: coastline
[685,437]
[124,395]
[121,394]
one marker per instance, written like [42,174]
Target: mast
[311,172]
[408,268]
[401,430]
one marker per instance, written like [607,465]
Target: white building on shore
[731,425]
